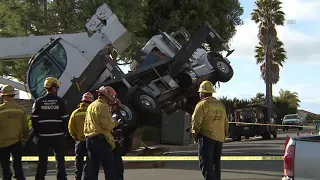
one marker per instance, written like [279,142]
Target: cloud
[300,47]
[302,10]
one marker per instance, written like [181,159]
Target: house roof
[301,110]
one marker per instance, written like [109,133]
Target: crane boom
[23,48]
[14,84]
[104,24]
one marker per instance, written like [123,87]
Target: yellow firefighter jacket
[76,122]
[99,121]
[13,124]
[210,119]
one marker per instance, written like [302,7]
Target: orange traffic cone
[287,141]
[298,134]
[306,133]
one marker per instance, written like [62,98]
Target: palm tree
[268,15]
[291,97]
[259,99]
[278,57]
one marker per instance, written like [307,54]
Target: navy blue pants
[80,165]
[117,152]
[99,151]
[5,153]
[209,152]
[57,143]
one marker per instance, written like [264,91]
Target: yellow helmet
[51,81]
[7,90]
[206,87]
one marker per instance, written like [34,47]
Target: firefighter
[117,151]
[50,125]
[98,129]
[209,129]
[14,132]
[76,125]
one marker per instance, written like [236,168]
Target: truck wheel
[266,135]
[223,69]
[275,134]
[129,114]
[236,138]
[144,102]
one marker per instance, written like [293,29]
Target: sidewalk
[172,148]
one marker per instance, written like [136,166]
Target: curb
[172,148]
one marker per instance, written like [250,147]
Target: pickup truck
[292,120]
[301,158]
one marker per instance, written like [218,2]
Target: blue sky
[301,70]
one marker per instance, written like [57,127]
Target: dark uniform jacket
[49,117]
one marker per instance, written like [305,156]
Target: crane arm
[23,48]
[104,25]
[16,85]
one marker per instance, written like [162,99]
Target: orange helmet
[109,93]
[87,97]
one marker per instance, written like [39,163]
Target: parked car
[292,120]
[301,157]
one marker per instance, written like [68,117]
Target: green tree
[291,97]
[259,99]
[268,14]
[287,102]
[19,18]
[170,15]
[231,104]
[284,107]
[277,58]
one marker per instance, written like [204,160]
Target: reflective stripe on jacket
[99,121]
[210,119]
[13,124]
[49,117]
[76,122]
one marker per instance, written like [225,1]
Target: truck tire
[274,135]
[266,135]
[129,114]
[145,102]
[222,68]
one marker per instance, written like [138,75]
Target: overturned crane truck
[155,84]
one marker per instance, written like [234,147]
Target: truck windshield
[50,62]
[154,56]
[291,117]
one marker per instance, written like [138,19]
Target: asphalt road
[240,170]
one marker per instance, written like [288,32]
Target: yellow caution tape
[171,158]
[262,124]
